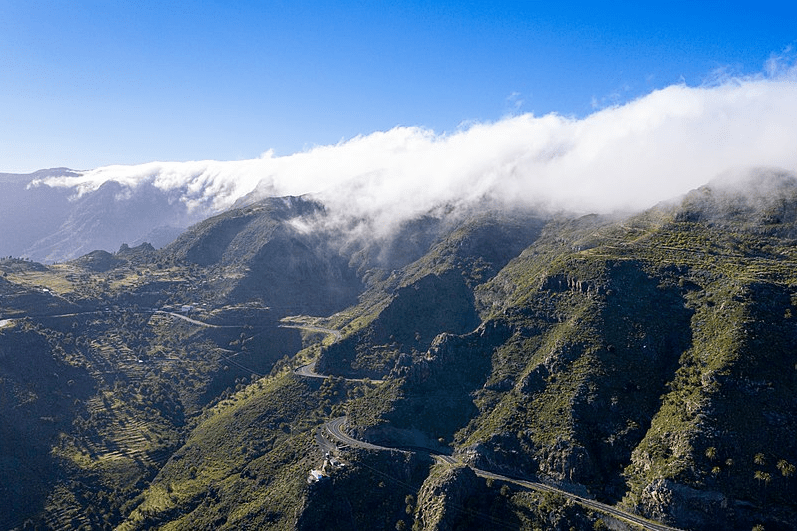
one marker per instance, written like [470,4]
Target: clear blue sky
[91,83]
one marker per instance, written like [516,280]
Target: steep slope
[266,252]
[575,386]
[659,351]
[404,311]
[649,361]
[254,446]
[97,392]
[40,396]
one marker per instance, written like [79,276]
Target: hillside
[496,369]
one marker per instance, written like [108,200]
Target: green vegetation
[256,443]
[647,362]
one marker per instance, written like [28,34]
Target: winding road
[194,321]
[332,435]
[313,328]
[308,371]
[335,429]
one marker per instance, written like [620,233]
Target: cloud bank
[619,158]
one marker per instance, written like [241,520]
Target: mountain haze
[52,224]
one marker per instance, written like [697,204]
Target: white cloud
[623,157]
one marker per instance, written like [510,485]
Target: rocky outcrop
[417,314]
[454,357]
[444,496]
[565,282]
[667,501]
[432,305]
[501,452]
[438,385]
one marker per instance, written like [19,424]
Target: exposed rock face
[464,358]
[443,497]
[501,452]
[416,314]
[438,384]
[371,492]
[586,359]
[426,308]
[667,501]
[566,461]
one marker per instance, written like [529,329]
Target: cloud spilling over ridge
[624,157]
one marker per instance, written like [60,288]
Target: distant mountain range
[52,224]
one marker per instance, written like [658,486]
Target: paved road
[162,312]
[194,321]
[335,429]
[312,328]
[187,319]
[308,371]
[326,445]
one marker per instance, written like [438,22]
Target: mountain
[263,252]
[30,213]
[478,368]
[52,224]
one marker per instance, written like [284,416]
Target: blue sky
[85,84]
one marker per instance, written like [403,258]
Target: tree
[786,469]
[711,453]
[764,477]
